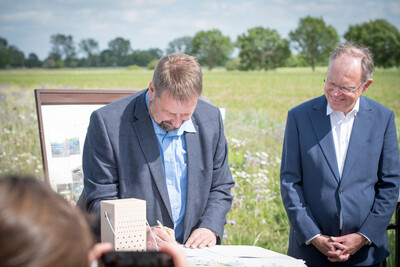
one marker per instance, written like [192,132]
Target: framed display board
[63,118]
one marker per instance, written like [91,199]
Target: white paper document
[239,256]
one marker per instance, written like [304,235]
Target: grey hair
[354,50]
[180,75]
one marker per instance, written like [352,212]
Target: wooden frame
[63,117]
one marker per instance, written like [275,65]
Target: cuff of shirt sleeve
[368,241]
[309,240]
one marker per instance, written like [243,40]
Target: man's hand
[162,238]
[349,244]
[200,238]
[333,250]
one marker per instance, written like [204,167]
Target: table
[227,255]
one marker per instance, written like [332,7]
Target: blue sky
[28,24]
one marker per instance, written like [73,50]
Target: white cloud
[394,6]
[153,23]
[26,16]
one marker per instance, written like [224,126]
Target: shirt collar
[355,109]
[186,126]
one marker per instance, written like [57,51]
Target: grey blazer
[121,159]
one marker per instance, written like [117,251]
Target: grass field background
[256,107]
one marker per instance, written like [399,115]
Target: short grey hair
[353,50]
[179,75]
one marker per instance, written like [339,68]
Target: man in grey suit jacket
[340,169]
[166,146]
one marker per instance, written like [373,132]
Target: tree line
[259,48]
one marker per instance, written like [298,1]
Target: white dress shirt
[341,130]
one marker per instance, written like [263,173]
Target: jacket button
[337,216]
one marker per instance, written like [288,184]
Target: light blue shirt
[173,154]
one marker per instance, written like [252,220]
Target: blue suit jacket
[121,159]
[313,193]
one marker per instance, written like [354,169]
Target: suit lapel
[149,145]
[194,172]
[322,128]
[359,135]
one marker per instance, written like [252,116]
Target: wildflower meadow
[256,106]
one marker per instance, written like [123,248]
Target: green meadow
[256,107]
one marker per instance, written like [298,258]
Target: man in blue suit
[166,146]
[340,169]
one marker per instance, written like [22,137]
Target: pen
[162,226]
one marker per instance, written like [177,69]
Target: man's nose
[177,121]
[336,90]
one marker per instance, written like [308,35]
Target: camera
[137,259]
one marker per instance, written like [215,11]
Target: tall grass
[256,103]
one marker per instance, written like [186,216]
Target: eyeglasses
[344,89]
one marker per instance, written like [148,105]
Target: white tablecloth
[239,256]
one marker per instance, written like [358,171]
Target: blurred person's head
[173,93]
[39,228]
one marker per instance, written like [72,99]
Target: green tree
[63,48]
[232,64]
[153,64]
[212,48]
[383,39]
[3,53]
[10,56]
[297,60]
[314,40]
[107,58]
[262,48]
[120,48]
[91,48]
[3,42]
[17,57]
[144,57]
[32,61]
[180,45]
[53,61]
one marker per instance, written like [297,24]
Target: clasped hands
[200,238]
[339,249]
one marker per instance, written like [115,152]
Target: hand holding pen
[162,227]
[164,236]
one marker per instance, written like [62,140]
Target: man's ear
[367,84]
[152,91]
